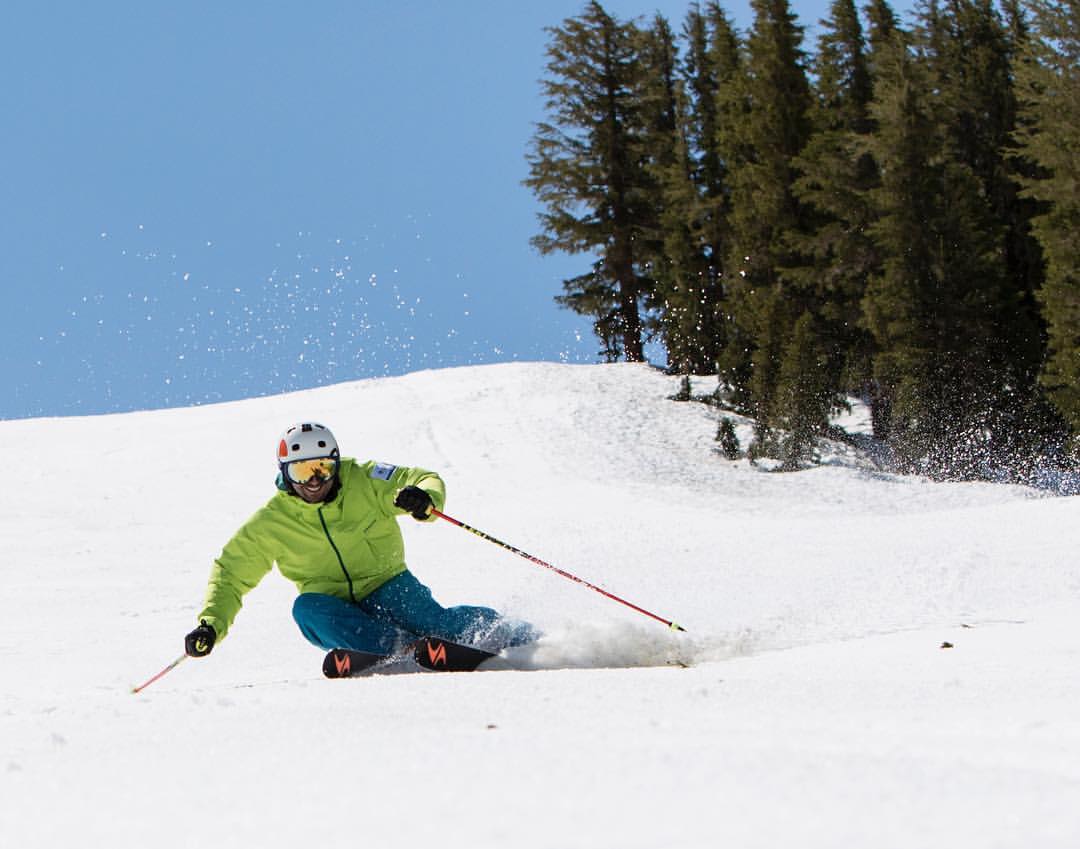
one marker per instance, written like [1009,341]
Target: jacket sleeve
[402,477]
[239,568]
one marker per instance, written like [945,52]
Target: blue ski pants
[398,612]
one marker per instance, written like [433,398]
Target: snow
[870,660]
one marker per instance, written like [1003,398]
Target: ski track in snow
[869,659]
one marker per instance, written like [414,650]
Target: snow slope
[811,702]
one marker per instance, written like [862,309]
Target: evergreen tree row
[894,216]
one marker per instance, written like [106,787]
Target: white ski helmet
[306,441]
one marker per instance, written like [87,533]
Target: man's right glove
[201,641]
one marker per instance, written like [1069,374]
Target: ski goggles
[302,471]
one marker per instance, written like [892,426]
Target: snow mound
[869,659]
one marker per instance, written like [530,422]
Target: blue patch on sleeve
[383,471]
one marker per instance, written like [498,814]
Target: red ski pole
[672,625]
[168,668]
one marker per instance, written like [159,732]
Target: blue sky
[211,201]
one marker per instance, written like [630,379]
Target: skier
[332,530]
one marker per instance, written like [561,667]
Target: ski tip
[336,664]
[347,663]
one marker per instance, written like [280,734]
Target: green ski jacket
[347,547]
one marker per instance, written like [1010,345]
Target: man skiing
[332,529]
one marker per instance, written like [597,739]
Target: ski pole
[168,668]
[672,625]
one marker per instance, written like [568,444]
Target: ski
[430,653]
[345,663]
[444,656]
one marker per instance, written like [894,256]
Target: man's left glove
[414,500]
[201,641]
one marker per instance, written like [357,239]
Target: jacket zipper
[340,561]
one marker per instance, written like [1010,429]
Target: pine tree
[764,208]
[935,309]
[836,172]
[804,393]
[585,168]
[658,96]
[712,69]
[970,54]
[844,84]
[728,439]
[673,260]
[680,302]
[882,30]
[1049,135]
[695,199]
[980,103]
[899,298]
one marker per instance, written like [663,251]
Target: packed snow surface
[869,660]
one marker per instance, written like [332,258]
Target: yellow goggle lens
[301,471]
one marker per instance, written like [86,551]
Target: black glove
[414,500]
[200,641]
